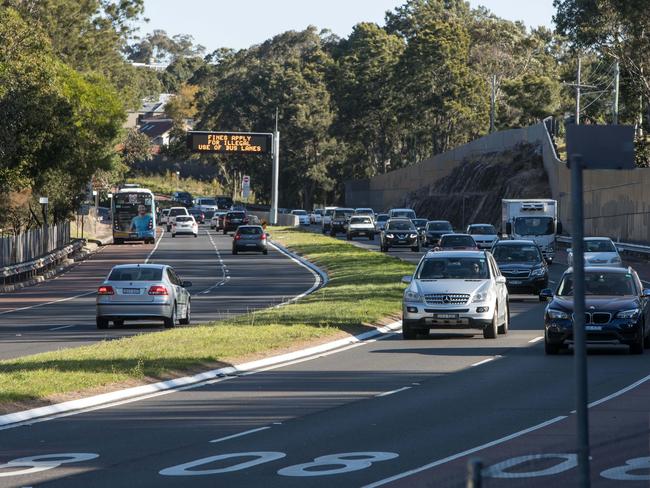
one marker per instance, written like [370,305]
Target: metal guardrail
[29,269]
[621,246]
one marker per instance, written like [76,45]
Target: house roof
[155,127]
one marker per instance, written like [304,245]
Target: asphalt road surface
[61,312]
[382,413]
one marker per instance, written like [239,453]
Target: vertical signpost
[242,143]
[589,147]
[246,187]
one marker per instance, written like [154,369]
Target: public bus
[134,215]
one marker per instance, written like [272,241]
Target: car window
[485,230]
[184,218]
[517,254]
[177,211]
[165,211]
[299,212]
[173,278]
[135,273]
[400,225]
[602,245]
[207,201]
[382,218]
[439,226]
[457,241]
[250,230]
[601,283]
[453,268]
[236,215]
[420,222]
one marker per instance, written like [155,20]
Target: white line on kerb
[63,327]
[234,436]
[485,361]
[392,392]
[536,339]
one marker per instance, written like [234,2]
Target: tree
[135,148]
[159,47]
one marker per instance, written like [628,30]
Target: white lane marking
[536,339]
[225,274]
[62,327]
[138,393]
[319,279]
[453,457]
[646,282]
[234,436]
[392,392]
[619,392]
[155,248]
[60,300]
[484,361]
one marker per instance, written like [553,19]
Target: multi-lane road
[385,412]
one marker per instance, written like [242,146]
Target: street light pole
[273,217]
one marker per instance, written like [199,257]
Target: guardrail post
[474,476]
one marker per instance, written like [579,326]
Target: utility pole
[578,91]
[493,100]
[617,74]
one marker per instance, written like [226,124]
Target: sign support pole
[276,174]
[579,334]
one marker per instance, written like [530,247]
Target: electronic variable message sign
[230,142]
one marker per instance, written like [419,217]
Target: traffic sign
[230,142]
[246,187]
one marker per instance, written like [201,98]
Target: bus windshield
[134,216]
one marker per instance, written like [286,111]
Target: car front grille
[599,318]
[446,298]
[516,273]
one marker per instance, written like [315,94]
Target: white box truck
[534,220]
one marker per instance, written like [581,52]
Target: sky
[239,24]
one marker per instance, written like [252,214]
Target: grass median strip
[364,287]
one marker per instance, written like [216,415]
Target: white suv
[456,290]
[173,213]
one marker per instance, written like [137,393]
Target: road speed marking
[344,462]
[43,462]
[259,457]
[499,470]
[622,473]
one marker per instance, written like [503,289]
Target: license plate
[515,282]
[447,316]
[133,234]
[130,291]
[593,327]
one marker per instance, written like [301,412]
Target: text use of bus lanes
[223,142]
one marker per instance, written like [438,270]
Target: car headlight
[616,260]
[628,314]
[390,236]
[538,272]
[557,314]
[480,297]
[413,236]
[412,296]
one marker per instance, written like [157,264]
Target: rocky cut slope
[473,191]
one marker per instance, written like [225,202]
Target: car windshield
[600,284]
[165,211]
[177,211]
[343,213]
[207,201]
[517,254]
[250,230]
[407,214]
[183,194]
[482,230]
[299,212]
[419,222]
[184,219]
[439,226]
[136,273]
[465,268]
[363,211]
[534,226]
[208,214]
[360,220]
[400,225]
[236,215]
[382,218]
[457,241]
[601,245]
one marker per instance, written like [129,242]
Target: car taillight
[263,237]
[158,290]
[105,290]
[237,237]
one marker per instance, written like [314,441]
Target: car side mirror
[545,295]
[646,293]
[501,280]
[186,284]
[407,279]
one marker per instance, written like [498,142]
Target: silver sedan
[143,292]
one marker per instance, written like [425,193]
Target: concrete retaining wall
[287,220]
[617,203]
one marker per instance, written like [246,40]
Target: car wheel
[196,235]
[234,251]
[118,323]
[118,241]
[173,235]
[551,349]
[415,249]
[491,331]
[169,227]
[224,232]
[212,227]
[265,252]
[637,346]
[408,333]
[170,322]
[348,237]
[646,341]
[503,328]
[102,323]
[371,237]
[188,316]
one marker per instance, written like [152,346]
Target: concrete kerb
[140,392]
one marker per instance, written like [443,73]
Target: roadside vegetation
[168,183]
[364,288]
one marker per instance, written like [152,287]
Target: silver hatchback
[143,292]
